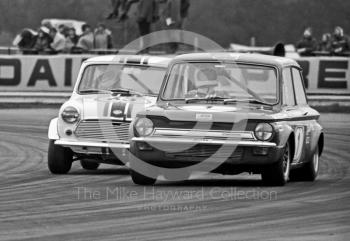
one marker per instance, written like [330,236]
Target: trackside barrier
[58,73]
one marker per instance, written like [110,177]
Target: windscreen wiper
[128,92]
[119,91]
[207,99]
[94,91]
[227,101]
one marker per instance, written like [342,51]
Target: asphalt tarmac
[106,205]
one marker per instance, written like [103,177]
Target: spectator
[173,20]
[147,13]
[185,6]
[325,44]
[117,4]
[71,41]
[42,44]
[86,41]
[103,38]
[63,30]
[308,44]
[58,41]
[26,40]
[72,36]
[340,42]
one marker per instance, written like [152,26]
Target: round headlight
[263,132]
[70,115]
[144,127]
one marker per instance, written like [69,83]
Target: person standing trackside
[185,6]
[147,13]
[173,21]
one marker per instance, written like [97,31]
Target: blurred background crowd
[224,21]
[331,44]
[54,38]
[49,39]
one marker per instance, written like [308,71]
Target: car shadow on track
[100,172]
[213,183]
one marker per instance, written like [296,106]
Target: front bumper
[170,141]
[244,153]
[85,147]
[92,144]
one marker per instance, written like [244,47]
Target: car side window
[288,90]
[299,87]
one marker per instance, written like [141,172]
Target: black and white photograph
[175,120]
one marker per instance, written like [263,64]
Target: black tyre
[140,179]
[184,176]
[278,173]
[309,171]
[91,166]
[59,159]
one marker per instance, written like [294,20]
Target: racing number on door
[299,142]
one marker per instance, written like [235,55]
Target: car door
[295,110]
[309,116]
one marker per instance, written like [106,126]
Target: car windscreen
[106,77]
[222,81]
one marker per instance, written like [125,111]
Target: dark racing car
[228,113]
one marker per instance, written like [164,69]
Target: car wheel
[309,171]
[140,179]
[59,158]
[91,166]
[184,176]
[278,173]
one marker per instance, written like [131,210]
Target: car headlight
[263,132]
[70,115]
[144,126]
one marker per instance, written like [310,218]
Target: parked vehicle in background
[93,126]
[235,113]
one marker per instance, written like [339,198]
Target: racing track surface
[39,206]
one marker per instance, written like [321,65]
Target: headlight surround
[144,126]
[70,115]
[264,132]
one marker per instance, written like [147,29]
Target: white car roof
[154,61]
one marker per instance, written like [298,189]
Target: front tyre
[309,171]
[140,179]
[59,159]
[91,166]
[278,173]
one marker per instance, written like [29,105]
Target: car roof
[153,61]
[237,57]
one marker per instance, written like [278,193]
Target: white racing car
[93,126]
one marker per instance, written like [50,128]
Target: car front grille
[206,151]
[103,130]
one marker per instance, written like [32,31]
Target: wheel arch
[321,144]
[291,140]
[53,130]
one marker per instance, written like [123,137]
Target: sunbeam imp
[93,126]
[228,113]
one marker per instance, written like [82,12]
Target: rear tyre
[278,173]
[140,179]
[309,171]
[59,159]
[91,166]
